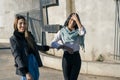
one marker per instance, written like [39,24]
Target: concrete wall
[98,16]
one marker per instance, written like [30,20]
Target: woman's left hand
[75,18]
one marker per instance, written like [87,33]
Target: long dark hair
[69,17]
[27,34]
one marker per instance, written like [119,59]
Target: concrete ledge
[103,69]
[4,40]
[94,68]
[51,61]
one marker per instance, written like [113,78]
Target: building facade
[98,17]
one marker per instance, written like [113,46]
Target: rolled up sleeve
[82,31]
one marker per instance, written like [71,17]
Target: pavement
[7,69]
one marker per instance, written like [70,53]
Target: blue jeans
[33,68]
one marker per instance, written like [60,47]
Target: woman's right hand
[28,76]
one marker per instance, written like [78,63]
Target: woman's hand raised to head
[75,18]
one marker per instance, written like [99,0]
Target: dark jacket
[20,51]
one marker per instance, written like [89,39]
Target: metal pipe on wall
[117,32]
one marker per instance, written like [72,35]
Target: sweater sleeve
[54,42]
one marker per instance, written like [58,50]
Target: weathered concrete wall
[57,14]
[98,16]
[99,19]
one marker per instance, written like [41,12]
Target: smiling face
[21,25]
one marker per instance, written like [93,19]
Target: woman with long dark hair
[25,50]
[70,36]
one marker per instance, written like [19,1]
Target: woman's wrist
[79,24]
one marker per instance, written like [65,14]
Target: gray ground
[7,70]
